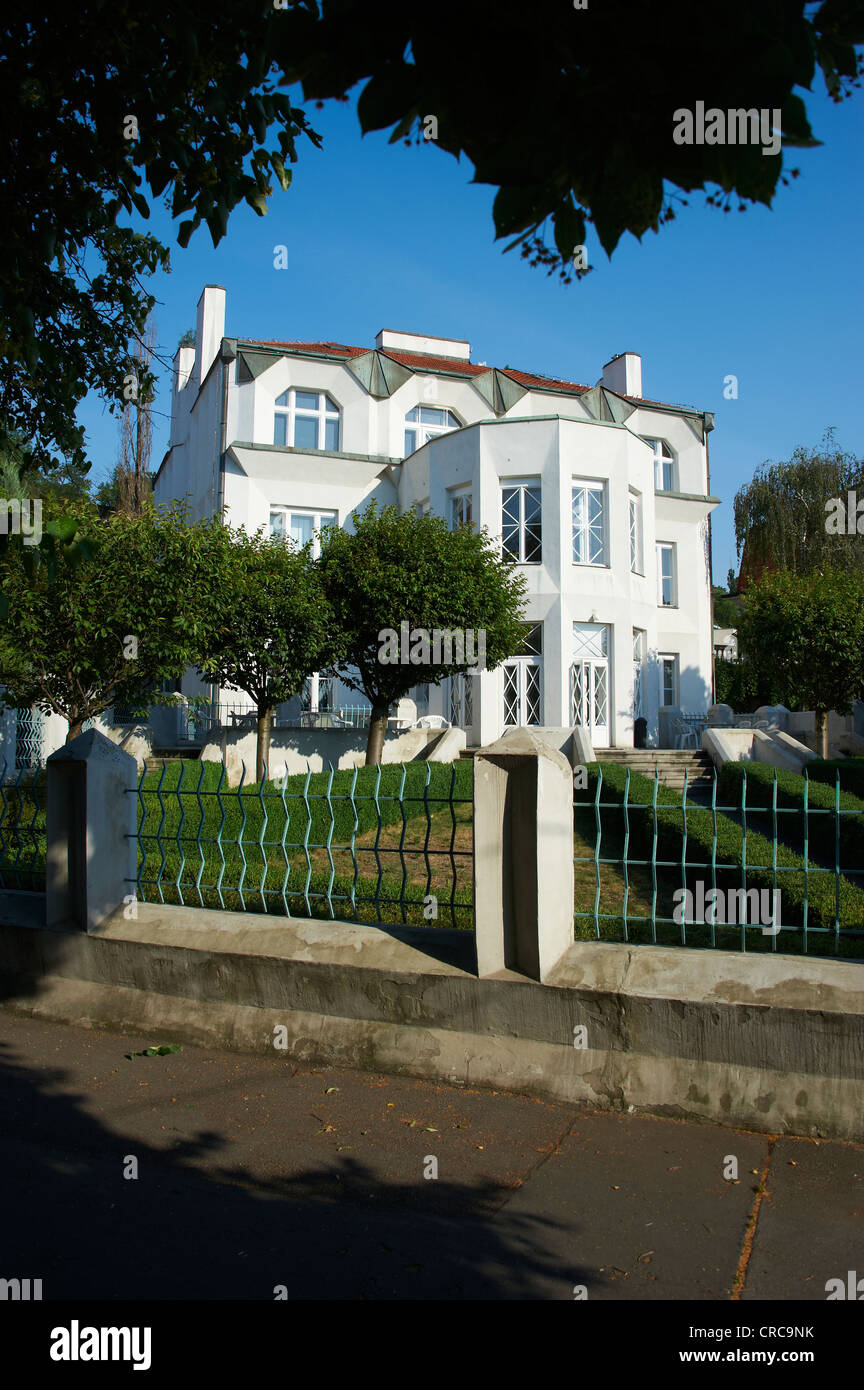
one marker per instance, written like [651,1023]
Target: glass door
[590,681]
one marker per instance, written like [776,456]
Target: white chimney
[210,329]
[623,374]
[423,344]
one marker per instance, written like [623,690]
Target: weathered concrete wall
[770,1042]
[302,750]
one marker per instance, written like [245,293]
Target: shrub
[821,806]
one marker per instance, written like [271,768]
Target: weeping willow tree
[780,517]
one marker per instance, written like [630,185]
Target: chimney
[210,329]
[623,374]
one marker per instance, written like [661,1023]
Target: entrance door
[590,681]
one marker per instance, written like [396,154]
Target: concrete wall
[755,1042]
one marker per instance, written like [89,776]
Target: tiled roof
[424,362]
[456,366]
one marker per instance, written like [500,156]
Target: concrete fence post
[523,855]
[91,824]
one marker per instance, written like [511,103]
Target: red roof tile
[455,365]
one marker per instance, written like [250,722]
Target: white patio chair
[433,721]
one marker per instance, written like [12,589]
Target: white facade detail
[600,497]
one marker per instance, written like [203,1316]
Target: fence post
[523,855]
[91,824]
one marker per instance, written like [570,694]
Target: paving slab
[811,1221]
[256,1173]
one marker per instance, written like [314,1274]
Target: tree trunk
[377,730]
[262,751]
[74,730]
[820,721]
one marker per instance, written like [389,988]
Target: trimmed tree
[104,610]
[803,635]
[396,582]
[275,626]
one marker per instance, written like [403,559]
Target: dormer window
[306,420]
[664,466]
[424,422]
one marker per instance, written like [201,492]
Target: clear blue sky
[383,235]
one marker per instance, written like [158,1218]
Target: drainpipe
[708,425]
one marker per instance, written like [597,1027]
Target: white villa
[602,498]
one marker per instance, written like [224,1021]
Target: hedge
[821,826]
[700,838]
[851,773]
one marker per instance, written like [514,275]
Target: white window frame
[665,659]
[518,665]
[320,519]
[424,430]
[585,531]
[672,548]
[665,463]
[326,412]
[522,486]
[637,550]
[460,508]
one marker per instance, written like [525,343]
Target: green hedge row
[851,772]
[821,819]
[820,893]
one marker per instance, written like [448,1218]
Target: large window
[424,422]
[522,681]
[589,523]
[667,576]
[665,471]
[521,531]
[301,526]
[636,533]
[668,663]
[306,419]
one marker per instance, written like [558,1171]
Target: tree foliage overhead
[780,517]
[196,79]
[569,112]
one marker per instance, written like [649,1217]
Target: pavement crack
[750,1233]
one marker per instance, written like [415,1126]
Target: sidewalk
[257,1173]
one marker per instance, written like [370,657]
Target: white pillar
[91,827]
[523,855]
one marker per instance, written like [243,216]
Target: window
[521,539]
[306,419]
[589,523]
[665,479]
[301,527]
[460,510]
[636,533]
[639,646]
[522,681]
[462,701]
[424,422]
[668,662]
[667,579]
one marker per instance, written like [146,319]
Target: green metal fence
[22,828]
[390,844]
[778,867]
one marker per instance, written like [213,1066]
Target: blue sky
[383,235]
